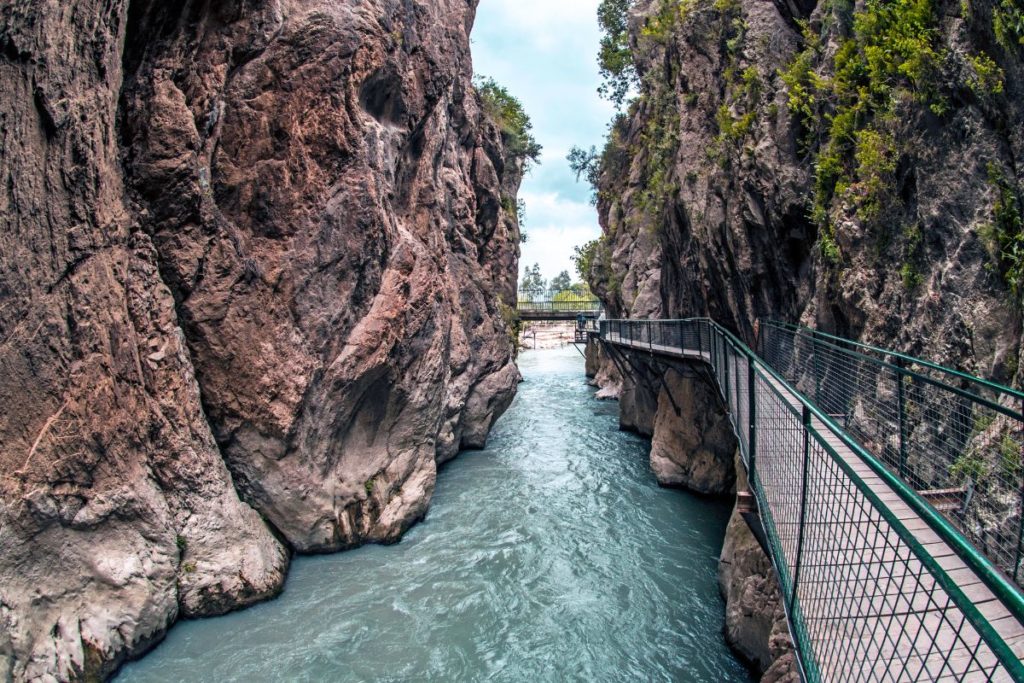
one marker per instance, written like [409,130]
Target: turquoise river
[551,555]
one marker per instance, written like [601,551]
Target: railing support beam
[806,421]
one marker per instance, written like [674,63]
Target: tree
[618,72]
[584,257]
[512,119]
[561,282]
[585,164]
[533,285]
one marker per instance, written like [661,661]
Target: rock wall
[755,618]
[255,254]
[783,160]
[693,443]
[713,200]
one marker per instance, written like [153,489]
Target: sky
[545,53]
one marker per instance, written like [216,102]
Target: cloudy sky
[545,53]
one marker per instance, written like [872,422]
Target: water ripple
[552,555]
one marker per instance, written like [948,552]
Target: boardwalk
[874,592]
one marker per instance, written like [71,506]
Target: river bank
[546,335]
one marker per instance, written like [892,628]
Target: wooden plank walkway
[871,609]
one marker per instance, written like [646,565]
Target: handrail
[988,384]
[1006,592]
[950,436]
[978,562]
[1009,412]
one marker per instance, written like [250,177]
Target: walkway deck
[862,601]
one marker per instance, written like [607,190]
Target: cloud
[546,24]
[555,225]
[545,53]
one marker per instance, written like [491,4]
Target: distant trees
[561,282]
[533,285]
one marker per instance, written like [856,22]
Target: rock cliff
[255,260]
[854,166]
[776,165]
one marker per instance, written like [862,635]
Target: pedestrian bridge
[889,491]
[567,304]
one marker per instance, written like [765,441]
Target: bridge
[889,492]
[566,304]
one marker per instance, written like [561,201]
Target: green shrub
[876,156]
[968,467]
[508,113]
[1005,233]
[910,277]
[1008,24]
[890,53]
[987,77]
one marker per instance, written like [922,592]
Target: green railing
[954,438]
[557,301]
[866,595]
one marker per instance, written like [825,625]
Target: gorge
[259,282]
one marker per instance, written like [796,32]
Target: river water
[551,555]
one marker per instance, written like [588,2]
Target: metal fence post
[1020,530]
[901,400]
[650,337]
[1020,538]
[728,386]
[713,339]
[806,420]
[817,370]
[751,413]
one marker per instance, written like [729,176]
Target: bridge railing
[956,439]
[557,301]
[865,599]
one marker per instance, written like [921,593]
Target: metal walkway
[878,585]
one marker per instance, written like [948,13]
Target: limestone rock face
[336,208]
[693,443]
[254,258]
[717,219]
[755,619]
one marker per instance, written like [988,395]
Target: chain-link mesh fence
[955,439]
[872,591]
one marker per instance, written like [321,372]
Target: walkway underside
[877,585]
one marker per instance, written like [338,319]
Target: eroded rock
[693,444]
[254,255]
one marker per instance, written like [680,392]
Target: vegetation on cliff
[891,65]
[866,86]
[508,112]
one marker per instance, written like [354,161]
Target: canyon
[260,265]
